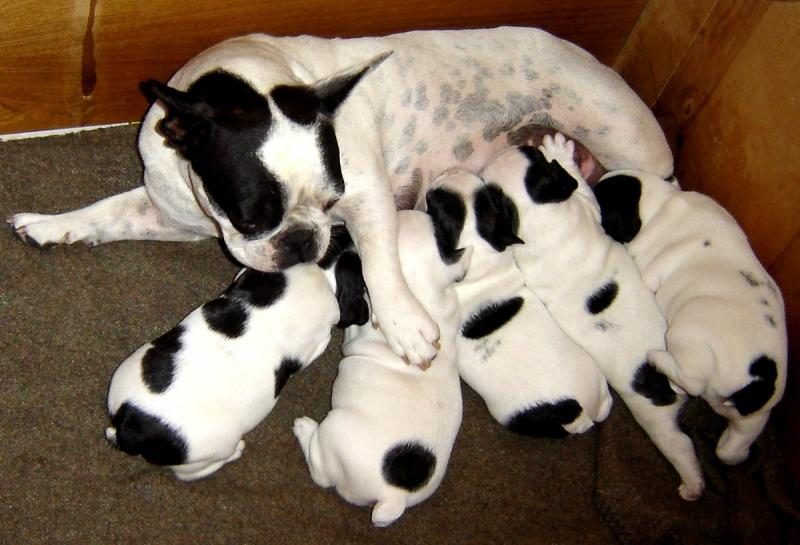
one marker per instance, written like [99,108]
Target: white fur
[722,308]
[529,361]
[379,401]
[566,258]
[223,387]
[443,98]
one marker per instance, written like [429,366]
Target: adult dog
[266,141]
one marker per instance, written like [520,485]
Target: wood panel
[129,41]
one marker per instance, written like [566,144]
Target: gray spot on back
[448,94]
[402,166]
[440,114]
[406,100]
[409,130]
[463,148]
[421,103]
[507,70]
[421,147]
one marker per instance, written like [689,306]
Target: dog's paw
[42,230]
[559,148]
[304,427]
[410,332]
[691,491]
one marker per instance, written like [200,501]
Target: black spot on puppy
[546,419]
[139,433]
[339,242]
[257,288]
[654,385]
[351,291]
[288,367]
[496,217]
[226,316]
[546,182]
[618,197]
[298,103]
[158,363]
[755,395]
[448,214]
[491,318]
[408,465]
[602,298]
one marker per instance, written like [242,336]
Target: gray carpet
[69,315]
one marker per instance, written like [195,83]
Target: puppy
[267,141]
[388,437]
[726,336]
[534,379]
[186,399]
[593,290]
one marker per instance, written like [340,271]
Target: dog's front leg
[371,218]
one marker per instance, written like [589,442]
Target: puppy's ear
[334,90]
[546,182]
[187,121]
[448,214]
[619,196]
[351,290]
[497,217]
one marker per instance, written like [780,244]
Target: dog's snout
[298,246]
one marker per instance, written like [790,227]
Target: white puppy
[186,399]
[592,288]
[726,336]
[534,379]
[388,437]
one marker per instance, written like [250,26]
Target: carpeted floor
[69,315]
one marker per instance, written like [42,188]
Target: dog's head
[264,167]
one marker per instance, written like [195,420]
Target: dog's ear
[546,181]
[448,214]
[334,90]
[351,290]
[187,122]
[618,196]
[497,217]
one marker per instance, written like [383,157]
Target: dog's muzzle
[298,245]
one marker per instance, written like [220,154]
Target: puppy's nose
[298,246]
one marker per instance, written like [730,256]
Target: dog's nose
[298,246]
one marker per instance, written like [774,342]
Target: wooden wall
[67,63]
[723,77]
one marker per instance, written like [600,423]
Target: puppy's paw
[409,331]
[559,148]
[304,427]
[691,491]
[42,230]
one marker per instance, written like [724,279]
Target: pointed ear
[187,121]
[448,214]
[334,90]
[497,217]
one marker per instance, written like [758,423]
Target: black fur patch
[546,419]
[158,363]
[496,217]
[226,316]
[339,242]
[297,102]
[654,385]
[288,367]
[491,318]
[755,395]
[618,197]
[448,214]
[351,291]
[408,465]
[546,182]
[139,433]
[602,298]
[257,288]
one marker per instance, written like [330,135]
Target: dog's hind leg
[733,446]
[126,216]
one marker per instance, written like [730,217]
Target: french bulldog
[185,399]
[534,379]
[593,289]
[267,141]
[726,334]
[390,431]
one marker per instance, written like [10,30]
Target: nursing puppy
[388,437]
[726,336]
[534,379]
[267,141]
[186,399]
[593,290]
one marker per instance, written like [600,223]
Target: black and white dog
[726,336]
[534,379]
[185,399]
[388,437]
[267,141]
[593,289]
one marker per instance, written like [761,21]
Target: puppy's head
[264,167]
[618,196]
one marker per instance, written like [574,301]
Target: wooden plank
[132,41]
